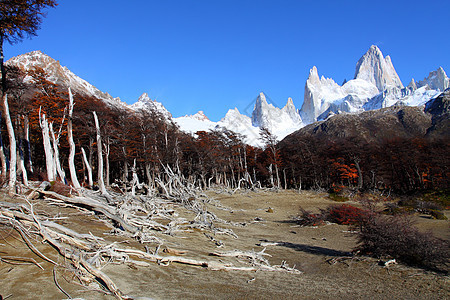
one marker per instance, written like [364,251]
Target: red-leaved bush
[345,214]
[340,214]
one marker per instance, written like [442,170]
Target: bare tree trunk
[73,171]
[91,150]
[101,182]
[107,151]
[3,157]
[358,168]
[135,181]
[22,164]
[88,167]
[12,145]
[271,175]
[125,167]
[277,173]
[47,147]
[57,162]
[150,180]
[26,124]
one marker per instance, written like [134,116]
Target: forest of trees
[146,144]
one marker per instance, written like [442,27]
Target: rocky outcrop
[439,108]
[376,69]
[431,120]
[60,75]
[144,102]
[319,94]
[436,80]
[279,121]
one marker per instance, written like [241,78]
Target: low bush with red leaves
[345,214]
[340,214]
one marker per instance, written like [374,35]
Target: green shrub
[337,197]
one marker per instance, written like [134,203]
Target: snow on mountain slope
[374,68]
[376,85]
[239,123]
[60,75]
[319,93]
[436,80]
[324,96]
[192,124]
[144,102]
[233,121]
[278,121]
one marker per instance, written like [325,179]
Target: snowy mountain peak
[60,75]
[262,112]
[144,98]
[145,103]
[261,99]
[318,95]
[290,102]
[375,68]
[436,80]
[200,116]
[412,85]
[313,75]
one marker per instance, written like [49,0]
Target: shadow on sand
[307,248]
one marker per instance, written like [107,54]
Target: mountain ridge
[376,85]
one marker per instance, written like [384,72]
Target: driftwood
[135,217]
[97,206]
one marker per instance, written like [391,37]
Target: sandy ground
[307,248]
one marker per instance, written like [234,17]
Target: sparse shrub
[437,214]
[307,218]
[430,205]
[338,198]
[60,188]
[440,197]
[345,214]
[395,236]
[336,193]
[392,208]
[340,214]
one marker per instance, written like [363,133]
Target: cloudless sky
[214,55]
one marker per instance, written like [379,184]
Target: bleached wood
[2,154]
[88,167]
[49,161]
[57,162]
[12,145]
[72,170]
[26,125]
[21,164]
[95,205]
[101,182]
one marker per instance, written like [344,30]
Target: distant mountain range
[375,85]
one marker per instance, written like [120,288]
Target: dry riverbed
[260,220]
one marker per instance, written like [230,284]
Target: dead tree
[3,157]
[73,172]
[101,182]
[88,167]
[57,162]
[12,145]
[51,174]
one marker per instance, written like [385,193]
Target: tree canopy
[20,19]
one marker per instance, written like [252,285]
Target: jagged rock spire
[375,68]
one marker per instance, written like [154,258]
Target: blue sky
[213,55]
